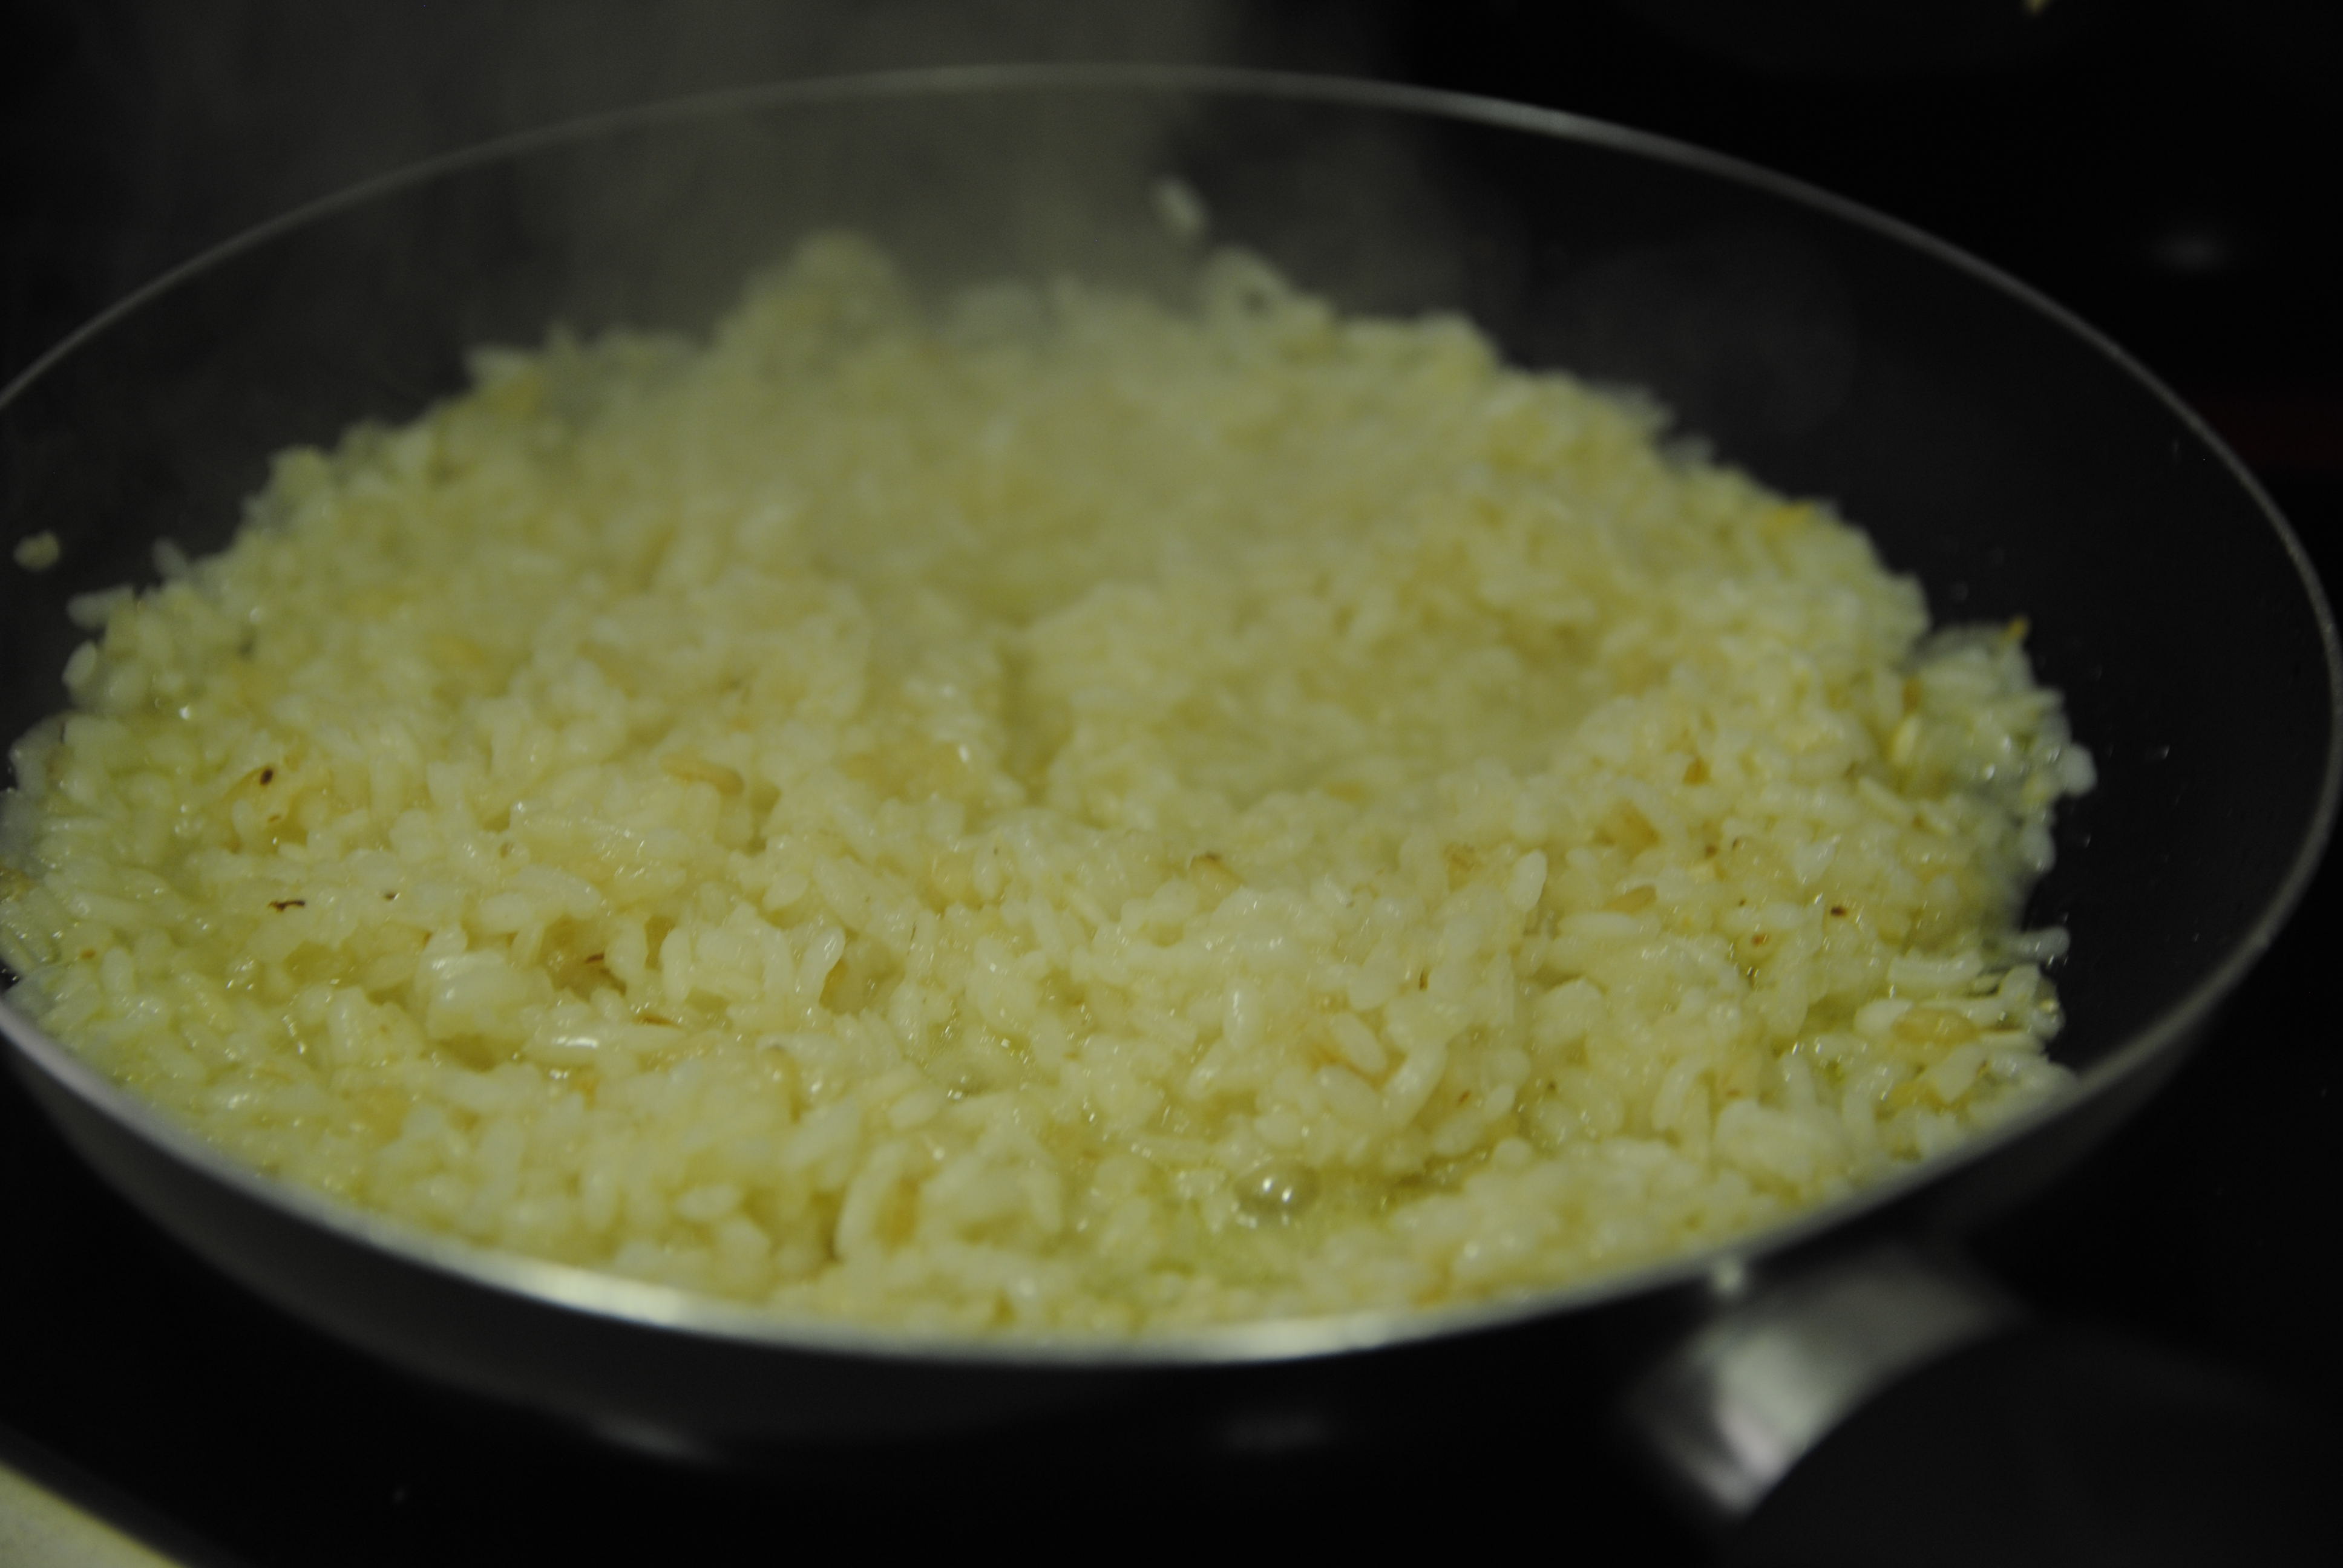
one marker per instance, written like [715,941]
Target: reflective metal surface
[1745,1398]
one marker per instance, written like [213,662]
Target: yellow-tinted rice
[1051,813]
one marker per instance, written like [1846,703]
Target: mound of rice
[1057,812]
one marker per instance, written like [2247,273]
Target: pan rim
[672,1309]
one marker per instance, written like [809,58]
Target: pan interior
[2011,463]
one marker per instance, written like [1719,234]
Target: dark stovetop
[2164,168]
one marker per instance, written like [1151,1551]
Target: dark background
[2166,168]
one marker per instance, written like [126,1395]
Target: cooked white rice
[1059,813]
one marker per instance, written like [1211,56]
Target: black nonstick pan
[2000,451]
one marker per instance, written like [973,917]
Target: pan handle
[1894,1407]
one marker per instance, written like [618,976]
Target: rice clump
[1053,812]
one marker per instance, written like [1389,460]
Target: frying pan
[1995,448]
